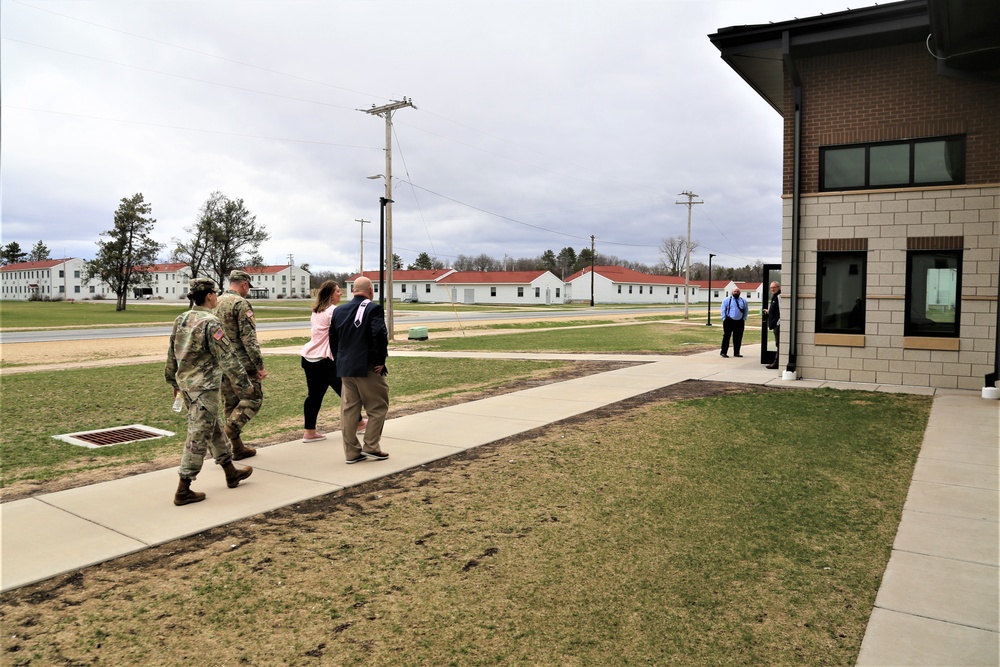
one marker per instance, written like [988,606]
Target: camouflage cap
[236,275]
[202,285]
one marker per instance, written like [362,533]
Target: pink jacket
[318,346]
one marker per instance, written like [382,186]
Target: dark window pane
[844,168]
[840,293]
[889,165]
[933,284]
[938,161]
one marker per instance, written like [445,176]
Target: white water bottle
[179,402]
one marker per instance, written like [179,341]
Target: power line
[189,129]
[177,76]
[521,222]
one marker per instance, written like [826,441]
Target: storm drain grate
[106,437]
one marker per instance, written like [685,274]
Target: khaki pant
[241,410]
[204,434]
[372,393]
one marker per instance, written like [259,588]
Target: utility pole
[386,111]
[361,266]
[687,264]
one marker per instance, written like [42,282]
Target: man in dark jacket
[773,313]
[360,342]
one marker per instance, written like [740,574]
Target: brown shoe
[236,475]
[185,496]
[240,451]
[378,456]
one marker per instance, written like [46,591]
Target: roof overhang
[966,34]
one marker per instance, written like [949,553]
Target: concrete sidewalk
[938,603]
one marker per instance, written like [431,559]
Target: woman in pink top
[318,362]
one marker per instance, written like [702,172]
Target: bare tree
[675,251]
[486,263]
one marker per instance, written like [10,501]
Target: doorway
[768,351]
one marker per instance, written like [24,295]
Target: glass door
[772,274]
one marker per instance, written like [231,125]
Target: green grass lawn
[37,406]
[48,314]
[746,529]
[640,338]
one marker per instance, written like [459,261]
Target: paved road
[404,319]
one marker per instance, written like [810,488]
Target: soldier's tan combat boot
[236,475]
[240,451]
[185,496]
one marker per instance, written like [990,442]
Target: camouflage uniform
[198,356]
[236,315]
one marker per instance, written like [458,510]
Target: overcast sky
[537,124]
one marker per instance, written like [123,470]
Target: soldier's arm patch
[250,313]
[219,334]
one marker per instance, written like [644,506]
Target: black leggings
[320,376]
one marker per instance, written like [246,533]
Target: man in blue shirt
[734,315]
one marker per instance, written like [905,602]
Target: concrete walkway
[939,599]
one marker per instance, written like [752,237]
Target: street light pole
[381,251]
[361,265]
[687,264]
[710,256]
[593,261]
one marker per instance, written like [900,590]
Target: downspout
[993,379]
[793,278]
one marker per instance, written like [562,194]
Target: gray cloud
[538,124]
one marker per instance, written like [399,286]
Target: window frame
[910,183]
[912,329]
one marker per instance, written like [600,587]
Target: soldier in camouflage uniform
[198,356]
[236,315]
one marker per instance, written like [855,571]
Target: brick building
[891,189]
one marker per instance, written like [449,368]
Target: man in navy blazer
[360,343]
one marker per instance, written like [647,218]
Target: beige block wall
[886,219]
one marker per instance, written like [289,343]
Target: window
[933,283]
[538,292]
[619,289]
[640,289]
[840,292]
[62,273]
[375,285]
[938,161]
[404,288]
[557,292]
[427,288]
[520,291]
[92,289]
[493,291]
[629,289]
